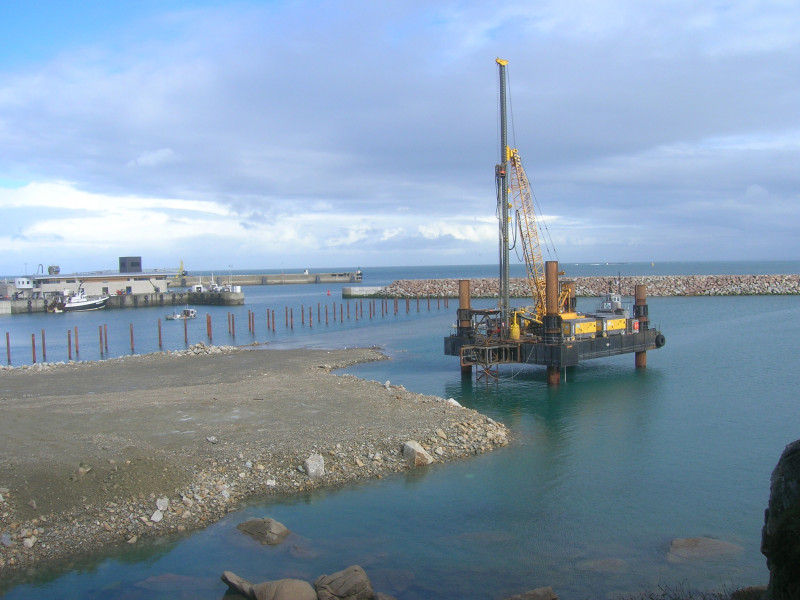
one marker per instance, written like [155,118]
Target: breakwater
[270,279]
[657,285]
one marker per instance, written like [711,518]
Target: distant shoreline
[595,286]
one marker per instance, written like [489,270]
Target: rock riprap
[592,287]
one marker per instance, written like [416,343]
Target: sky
[310,134]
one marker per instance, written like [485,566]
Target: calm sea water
[601,474]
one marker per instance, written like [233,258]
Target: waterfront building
[129,279]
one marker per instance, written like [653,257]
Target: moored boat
[186,313]
[80,301]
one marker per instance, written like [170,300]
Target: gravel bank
[94,454]
[661,285]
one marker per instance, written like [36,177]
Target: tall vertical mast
[502,197]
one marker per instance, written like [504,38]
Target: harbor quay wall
[657,285]
[270,279]
[176,298]
[182,298]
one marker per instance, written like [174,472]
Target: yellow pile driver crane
[550,332]
[513,184]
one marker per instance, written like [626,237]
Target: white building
[130,279]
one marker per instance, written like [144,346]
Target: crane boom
[528,229]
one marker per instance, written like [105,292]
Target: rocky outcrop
[780,537]
[657,285]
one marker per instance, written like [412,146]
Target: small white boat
[79,301]
[186,313]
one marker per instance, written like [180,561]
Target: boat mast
[501,171]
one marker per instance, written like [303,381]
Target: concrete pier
[269,279]
[14,307]
[361,291]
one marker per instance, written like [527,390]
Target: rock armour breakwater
[657,285]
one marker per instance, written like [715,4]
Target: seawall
[270,279]
[182,298]
[657,285]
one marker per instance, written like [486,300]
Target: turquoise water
[601,474]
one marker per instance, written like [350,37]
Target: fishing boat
[186,313]
[80,301]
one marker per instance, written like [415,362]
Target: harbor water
[601,473]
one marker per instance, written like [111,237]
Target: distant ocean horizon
[383,275]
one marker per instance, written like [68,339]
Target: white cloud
[154,158]
[325,142]
[352,235]
[64,196]
[458,231]
[395,232]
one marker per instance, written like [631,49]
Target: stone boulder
[266,531]
[283,589]
[698,548]
[415,454]
[351,583]
[542,593]
[780,537]
[315,466]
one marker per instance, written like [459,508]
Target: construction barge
[565,337]
[550,332]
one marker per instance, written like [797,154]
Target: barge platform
[562,339]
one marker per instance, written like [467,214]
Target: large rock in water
[266,531]
[283,589]
[780,537]
[686,549]
[351,583]
[542,593]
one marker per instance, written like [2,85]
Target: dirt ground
[80,442]
[158,412]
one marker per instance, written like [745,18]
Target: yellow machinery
[519,191]
[550,332]
[515,193]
